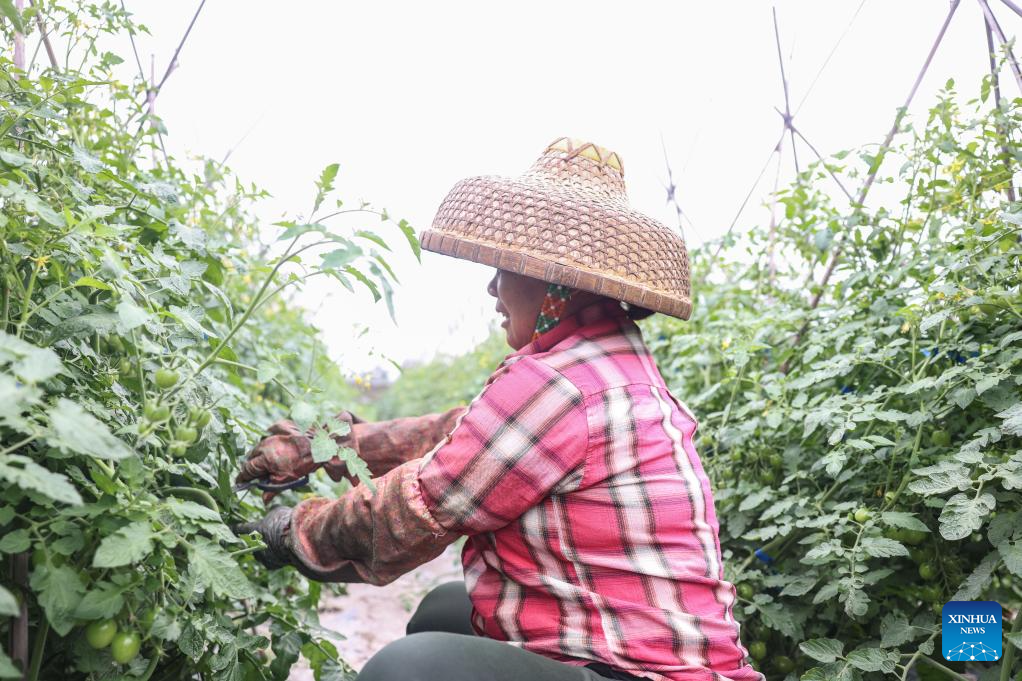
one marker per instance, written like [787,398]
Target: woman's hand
[284,455]
[273,529]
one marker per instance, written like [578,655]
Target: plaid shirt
[592,535]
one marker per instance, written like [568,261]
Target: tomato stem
[1009,650]
[950,673]
[37,651]
[152,666]
[28,296]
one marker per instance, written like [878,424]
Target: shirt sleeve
[366,536]
[524,437]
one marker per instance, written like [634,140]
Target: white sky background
[409,97]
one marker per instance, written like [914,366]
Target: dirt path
[370,617]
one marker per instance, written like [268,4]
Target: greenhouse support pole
[19,627]
[50,54]
[1015,8]
[19,40]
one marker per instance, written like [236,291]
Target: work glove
[286,455]
[274,528]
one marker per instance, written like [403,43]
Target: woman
[592,540]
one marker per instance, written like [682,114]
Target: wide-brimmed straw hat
[567,221]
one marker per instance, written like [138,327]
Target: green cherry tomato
[198,416]
[177,449]
[757,650]
[910,537]
[862,515]
[940,438]
[166,378]
[784,664]
[186,434]
[931,594]
[746,591]
[914,537]
[147,617]
[124,366]
[156,412]
[125,646]
[100,633]
[927,571]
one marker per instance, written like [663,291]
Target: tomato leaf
[216,570]
[822,649]
[8,604]
[130,316]
[904,520]
[873,660]
[357,467]
[303,414]
[75,430]
[413,241]
[27,474]
[324,447]
[103,601]
[7,668]
[963,514]
[882,547]
[60,589]
[15,542]
[1012,416]
[1011,552]
[127,545]
[978,579]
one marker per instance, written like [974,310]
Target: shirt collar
[596,312]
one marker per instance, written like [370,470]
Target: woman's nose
[491,288]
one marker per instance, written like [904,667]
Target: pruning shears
[264,485]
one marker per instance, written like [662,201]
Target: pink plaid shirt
[592,535]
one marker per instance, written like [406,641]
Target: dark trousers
[441,646]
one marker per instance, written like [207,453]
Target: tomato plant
[146,341]
[895,418]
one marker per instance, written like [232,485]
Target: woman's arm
[514,445]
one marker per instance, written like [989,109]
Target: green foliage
[145,344]
[444,382]
[876,462]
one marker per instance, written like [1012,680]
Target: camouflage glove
[274,528]
[286,455]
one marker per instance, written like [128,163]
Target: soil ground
[370,617]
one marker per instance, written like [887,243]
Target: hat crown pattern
[576,163]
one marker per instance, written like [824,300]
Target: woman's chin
[509,336]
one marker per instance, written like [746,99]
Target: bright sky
[409,97]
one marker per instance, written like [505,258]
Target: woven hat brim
[538,230]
